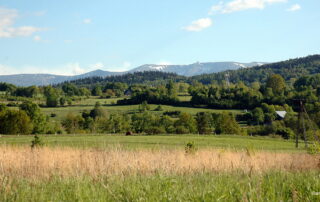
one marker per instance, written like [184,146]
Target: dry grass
[65,162]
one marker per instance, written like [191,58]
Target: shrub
[155,130]
[158,108]
[181,130]
[36,142]
[190,148]
[314,148]
[173,114]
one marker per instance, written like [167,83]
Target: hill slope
[289,69]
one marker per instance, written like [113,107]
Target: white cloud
[7,20]
[72,68]
[199,25]
[87,21]
[240,5]
[64,69]
[294,7]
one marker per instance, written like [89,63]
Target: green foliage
[185,124]
[51,96]
[70,89]
[36,142]
[234,186]
[204,122]
[258,115]
[144,106]
[73,123]
[314,148]
[30,91]
[158,108]
[38,119]
[190,148]
[276,83]
[220,97]
[97,90]
[226,124]
[62,101]
[97,111]
[289,69]
[15,122]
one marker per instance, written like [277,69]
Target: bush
[181,130]
[36,142]
[158,108]
[314,148]
[190,148]
[173,114]
[155,130]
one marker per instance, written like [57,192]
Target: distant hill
[289,69]
[196,68]
[145,77]
[183,70]
[202,72]
[47,79]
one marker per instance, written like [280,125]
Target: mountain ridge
[183,70]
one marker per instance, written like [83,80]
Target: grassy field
[157,142]
[275,186]
[61,112]
[156,168]
[77,174]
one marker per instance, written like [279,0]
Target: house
[281,114]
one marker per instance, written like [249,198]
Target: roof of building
[282,114]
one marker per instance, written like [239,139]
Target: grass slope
[156,142]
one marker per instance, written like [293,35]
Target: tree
[70,89]
[62,101]
[171,89]
[204,122]
[73,123]
[144,106]
[97,111]
[226,124]
[15,122]
[186,123]
[258,115]
[97,91]
[119,123]
[276,83]
[141,121]
[51,96]
[38,119]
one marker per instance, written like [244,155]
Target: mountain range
[184,70]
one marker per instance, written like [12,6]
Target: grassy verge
[61,112]
[273,186]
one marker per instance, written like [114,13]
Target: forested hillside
[147,77]
[290,69]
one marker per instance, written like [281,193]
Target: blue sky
[75,36]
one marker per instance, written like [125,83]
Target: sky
[75,36]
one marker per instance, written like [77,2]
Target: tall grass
[236,186]
[71,162]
